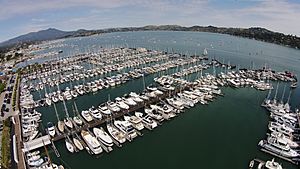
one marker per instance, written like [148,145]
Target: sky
[18,17]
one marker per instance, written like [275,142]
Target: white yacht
[284,140]
[86,115]
[115,133]
[91,141]
[147,120]
[129,101]
[95,113]
[67,94]
[120,103]
[74,93]
[154,114]
[176,103]
[68,122]
[104,110]
[61,126]
[51,129]
[273,165]
[54,99]
[48,101]
[77,144]
[77,120]
[69,146]
[113,107]
[272,145]
[103,136]
[135,121]
[35,163]
[126,128]
[273,126]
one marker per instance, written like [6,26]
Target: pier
[279,156]
[95,123]
[37,143]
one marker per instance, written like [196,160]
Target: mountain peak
[47,34]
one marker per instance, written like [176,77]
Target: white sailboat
[51,129]
[67,120]
[60,124]
[103,136]
[115,133]
[205,53]
[76,117]
[77,143]
[92,142]
[69,146]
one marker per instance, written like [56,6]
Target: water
[223,134]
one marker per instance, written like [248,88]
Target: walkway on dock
[37,143]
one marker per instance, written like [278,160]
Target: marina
[169,85]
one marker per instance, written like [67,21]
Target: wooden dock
[95,123]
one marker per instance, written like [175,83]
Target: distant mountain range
[257,33]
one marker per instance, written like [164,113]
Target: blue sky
[18,17]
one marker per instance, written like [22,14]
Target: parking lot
[6,99]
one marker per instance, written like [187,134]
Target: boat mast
[283,94]
[66,110]
[276,91]
[290,93]
[144,84]
[56,112]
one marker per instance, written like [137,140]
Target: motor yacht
[68,122]
[126,128]
[146,120]
[77,143]
[95,113]
[51,129]
[61,126]
[115,133]
[120,103]
[91,142]
[104,110]
[113,107]
[283,139]
[135,121]
[272,165]
[86,115]
[154,114]
[69,146]
[129,101]
[102,136]
[273,146]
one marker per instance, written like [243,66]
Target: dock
[95,123]
[37,143]
[279,156]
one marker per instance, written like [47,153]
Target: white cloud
[278,15]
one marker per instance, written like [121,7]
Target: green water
[223,134]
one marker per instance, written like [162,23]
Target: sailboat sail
[205,52]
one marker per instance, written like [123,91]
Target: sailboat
[287,105]
[60,124]
[51,129]
[76,117]
[48,99]
[77,143]
[205,53]
[67,120]
[69,146]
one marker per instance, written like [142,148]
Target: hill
[257,33]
